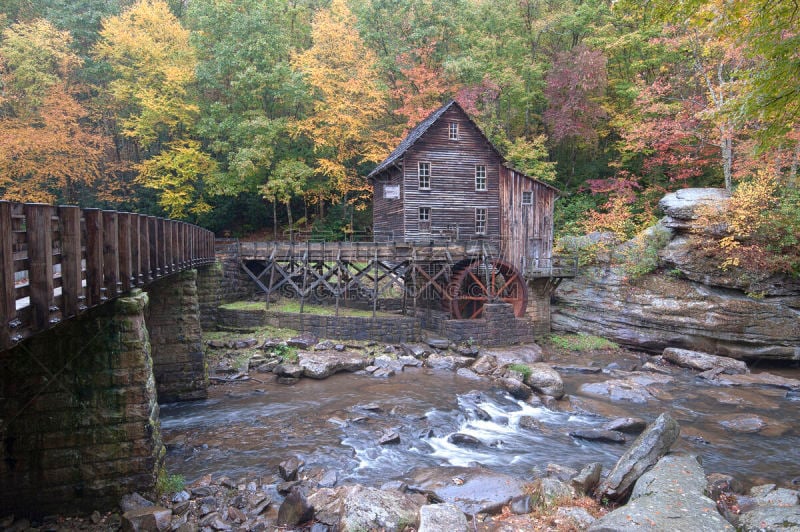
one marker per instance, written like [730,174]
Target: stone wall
[210,280]
[78,414]
[381,328]
[498,327]
[173,319]
[234,285]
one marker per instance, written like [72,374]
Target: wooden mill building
[446,181]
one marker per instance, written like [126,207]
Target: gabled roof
[421,128]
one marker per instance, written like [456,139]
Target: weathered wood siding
[527,230]
[387,213]
[452,197]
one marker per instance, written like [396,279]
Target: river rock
[576,516]
[516,388]
[415,350]
[645,451]
[448,362]
[770,518]
[289,468]
[628,425]
[549,491]
[438,343]
[292,371]
[619,390]
[132,501]
[769,495]
[303,341]
[318,365]
[472,489]
[146,519]
[294,509]
[388,438]
[745,423]
[521,354]
[704,361]
[464,440]
[668,497]
[756,380]
[440,517]
[355,507]
[545,380]
[601,435]
[485,364]
[587,479]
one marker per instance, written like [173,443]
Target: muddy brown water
[248,428]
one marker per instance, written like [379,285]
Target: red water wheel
[481,282]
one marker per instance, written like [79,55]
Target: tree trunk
[275,219]
[726,143]
[291,222]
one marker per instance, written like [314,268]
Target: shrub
[521,368]
[581,342]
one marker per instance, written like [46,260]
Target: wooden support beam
[136,250]
[125,252]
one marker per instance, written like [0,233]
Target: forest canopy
[260,115]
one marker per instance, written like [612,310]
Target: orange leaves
[46,158]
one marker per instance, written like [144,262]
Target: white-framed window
[453,131]
[424,214]
[527,197]
[424,174]
[480,221]
[480,177]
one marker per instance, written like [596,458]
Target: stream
[248,428]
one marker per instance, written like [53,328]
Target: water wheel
[474,284]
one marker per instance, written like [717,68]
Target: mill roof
[420,129]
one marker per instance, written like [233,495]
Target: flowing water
[336,424]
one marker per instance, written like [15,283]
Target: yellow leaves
[154,65]
[178,174]
[343,72]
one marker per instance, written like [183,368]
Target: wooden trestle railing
[57,262]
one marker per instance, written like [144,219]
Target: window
[453,131]
[480,177]
[527,197]
[424,214]
[480,221]
[424,173]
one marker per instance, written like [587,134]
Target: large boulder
[645,451]
[683,207]
[545,380]
[771,518]
[472,489]
[520,354]
[320,365]
[668,497]
[439,517]
[660,311]
[355,507]
[687,358]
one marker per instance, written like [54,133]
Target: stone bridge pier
[79,415]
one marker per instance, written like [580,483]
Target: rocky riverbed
[651,479]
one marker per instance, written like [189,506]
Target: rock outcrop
[668,497]
[695,306]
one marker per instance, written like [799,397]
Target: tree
[178,174]
[48,148]
[349,103]
[153,66]
[286,181]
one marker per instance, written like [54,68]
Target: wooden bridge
[460,276]
[57,262]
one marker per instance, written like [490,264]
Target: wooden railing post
[71,287]
[8,297]
[136,244]
[144,249]
[168,249]
[153,235]
[111,253]
[124,246]
[40,262]
[93,223]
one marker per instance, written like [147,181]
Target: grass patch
[523,369]
[168,484]
[244,305]
[581,342]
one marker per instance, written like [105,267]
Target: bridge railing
[57,262]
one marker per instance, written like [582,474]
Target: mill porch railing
[58,262]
